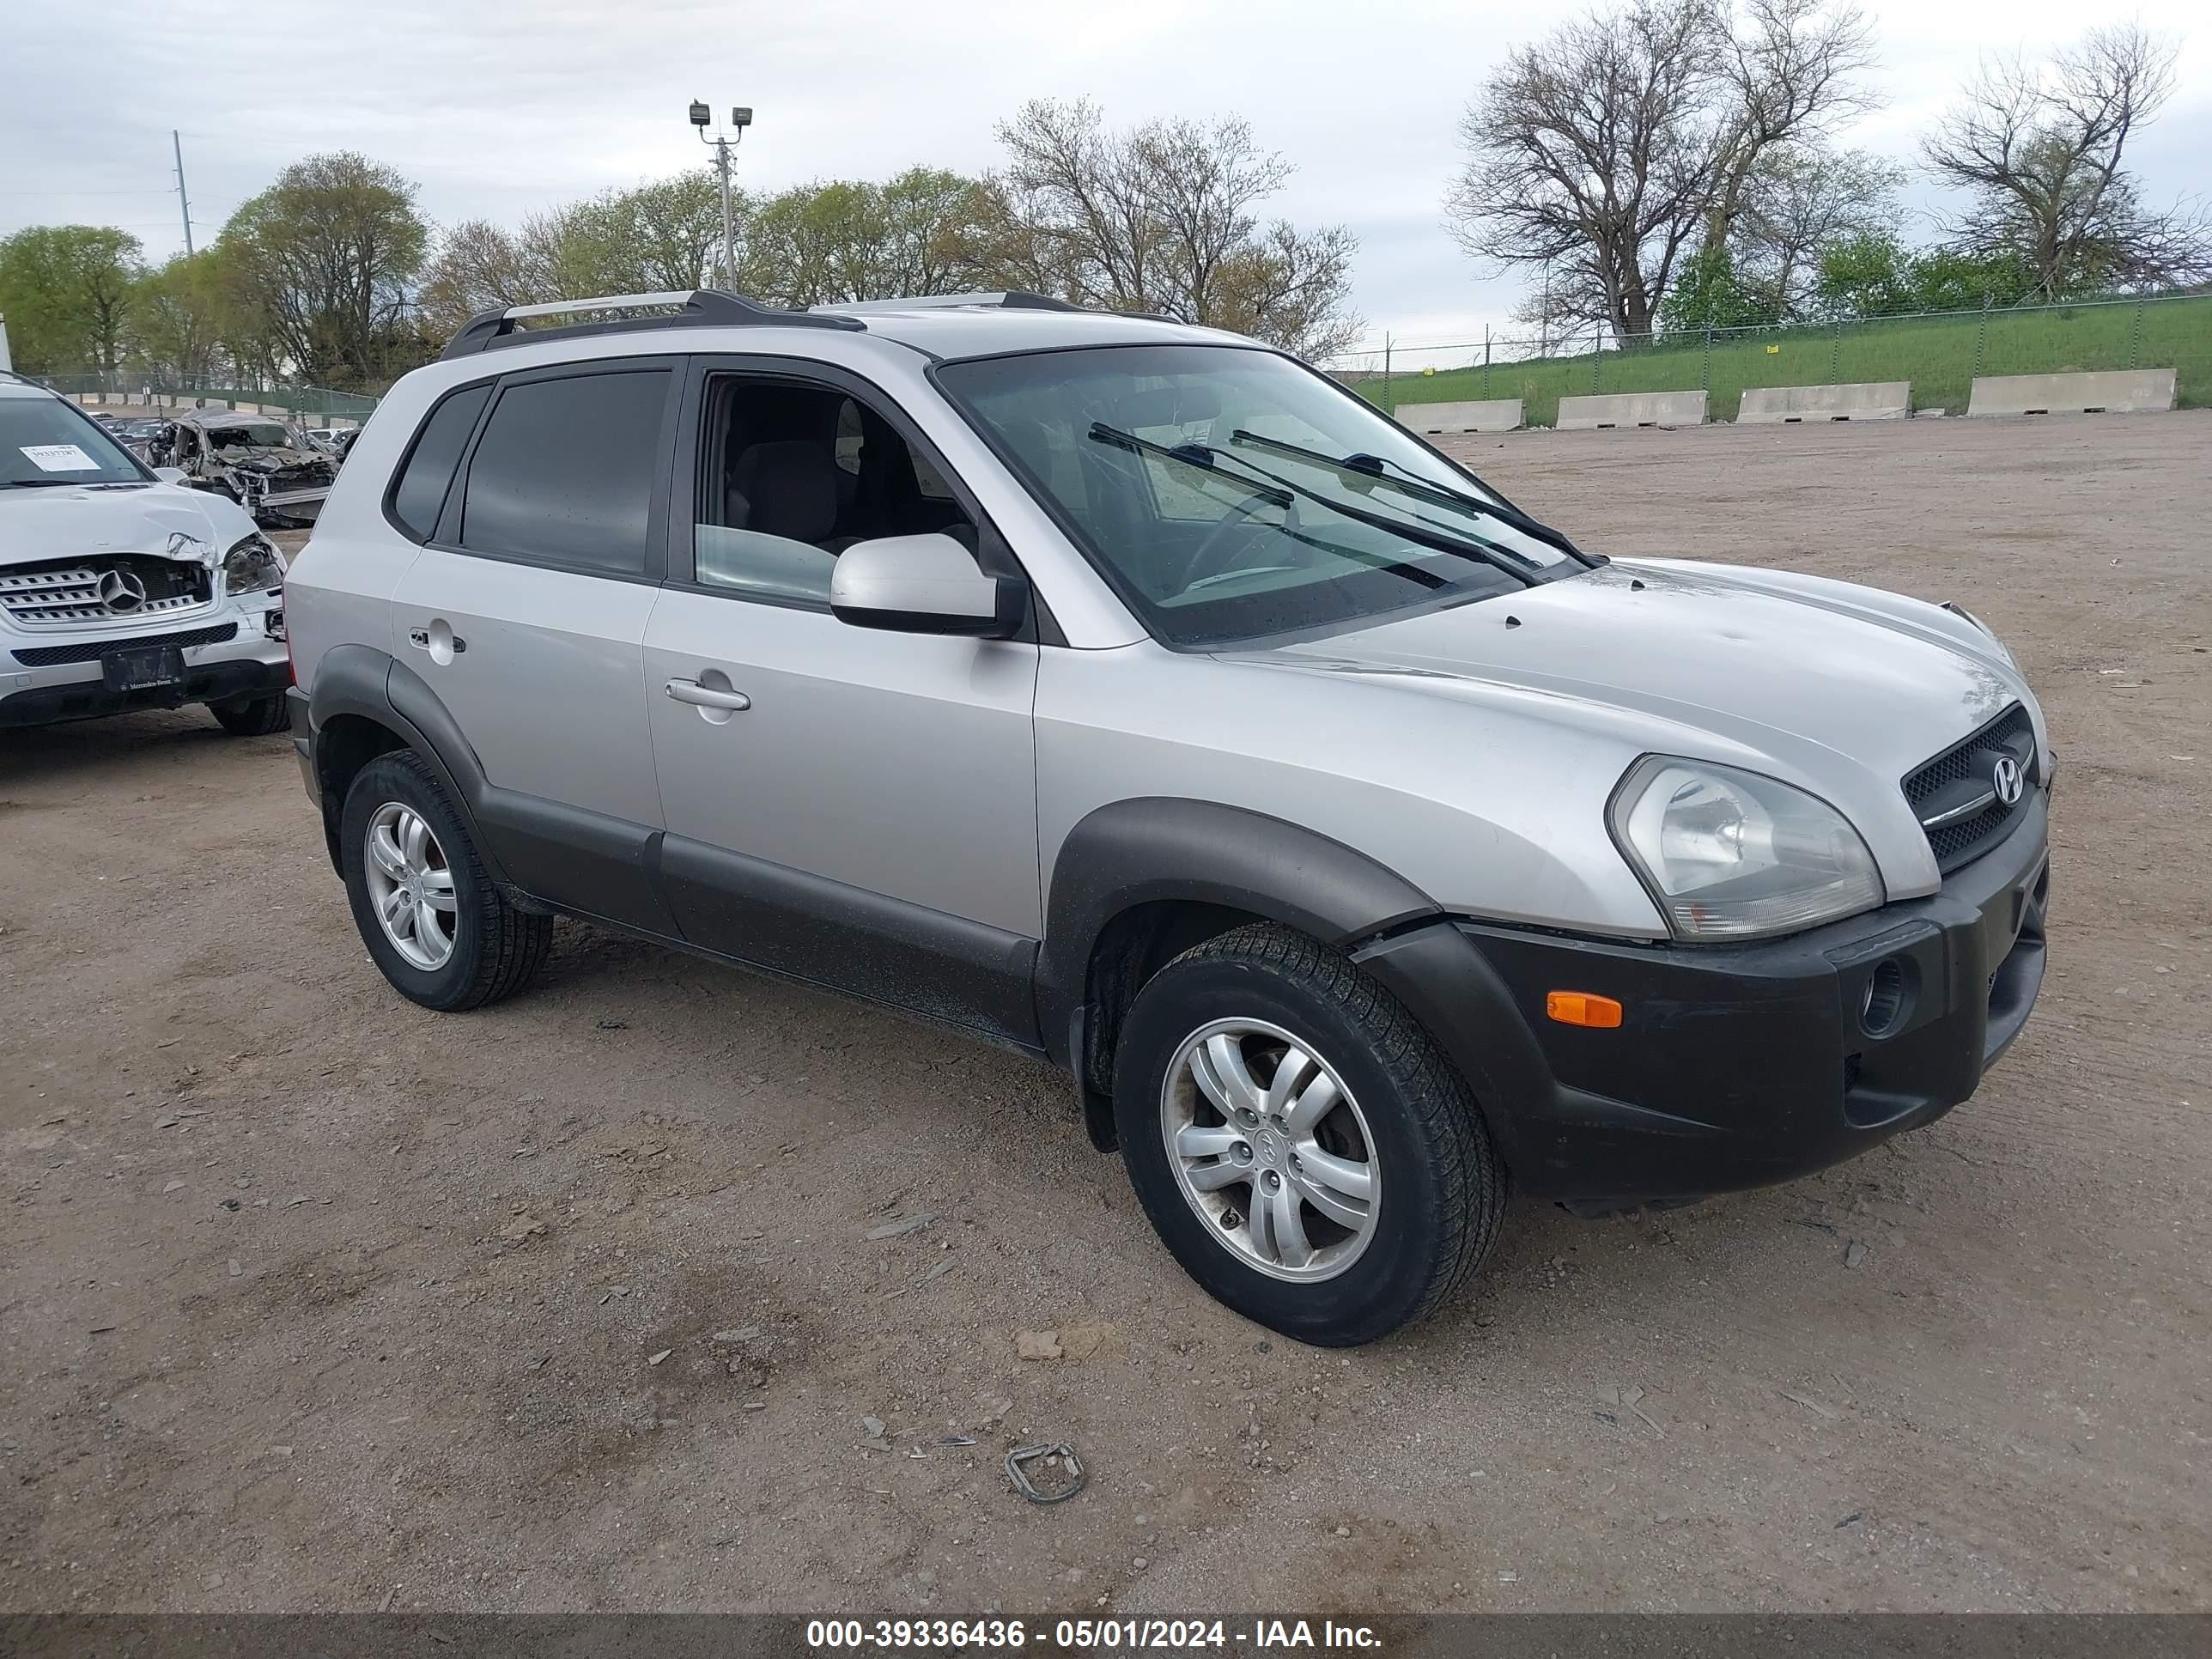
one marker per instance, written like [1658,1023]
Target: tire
[492,948]
[257,717]
[1438,1188]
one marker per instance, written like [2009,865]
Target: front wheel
[1302,1146]
[428,909]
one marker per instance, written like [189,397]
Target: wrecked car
[257,461]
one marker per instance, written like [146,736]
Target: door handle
[706,696]
[420,639]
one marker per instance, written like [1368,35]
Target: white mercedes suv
[120,588]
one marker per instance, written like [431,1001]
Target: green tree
[178,316]
[325,260]
[65,291]
[1868,275]
[1709,293]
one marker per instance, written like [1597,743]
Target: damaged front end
[266,467]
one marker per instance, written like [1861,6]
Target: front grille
[71,590]
[1963,774]
[51,656]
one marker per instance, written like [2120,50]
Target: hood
[1770,667]
[163,519]
[269,460]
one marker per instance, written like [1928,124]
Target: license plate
[149,668]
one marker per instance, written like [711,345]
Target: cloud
[499,108]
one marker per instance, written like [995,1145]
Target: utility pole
[184,204]
[740,117]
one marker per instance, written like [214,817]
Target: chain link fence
[136,387]
[1940,353]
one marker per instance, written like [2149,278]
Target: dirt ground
[314,1300]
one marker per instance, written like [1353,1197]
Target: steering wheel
[1216,556]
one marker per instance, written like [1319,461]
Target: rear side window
[429,470]
[564,471]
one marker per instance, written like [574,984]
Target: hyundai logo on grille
[121,591]
[2006,780]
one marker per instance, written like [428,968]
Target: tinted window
[564,471]
[437,451]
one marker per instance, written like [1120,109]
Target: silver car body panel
[1474,759]
[544,670]
[896,764]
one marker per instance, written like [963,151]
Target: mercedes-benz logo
[2006,779]
[121,591]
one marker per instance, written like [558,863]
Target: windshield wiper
[1427,531]
[1412,483]
[40,483]
[1191,455]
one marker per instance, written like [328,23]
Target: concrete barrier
[1495,415]
[1632,409]
[1865,400]
[2115,392]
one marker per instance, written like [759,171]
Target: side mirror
[175,475]
[923,585]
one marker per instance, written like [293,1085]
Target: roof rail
[1008,300]
[706,307]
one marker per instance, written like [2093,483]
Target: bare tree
[1623,142]
[2040,146]
[1790,68]
[1802,199]
[1163,217]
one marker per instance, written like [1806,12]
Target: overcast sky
[497,107]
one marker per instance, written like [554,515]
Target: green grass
[1940,355]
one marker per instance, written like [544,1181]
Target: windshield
[1230,494]
[43,441]
[248,437]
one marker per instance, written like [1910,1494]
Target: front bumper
[249,660]
[1734,1066]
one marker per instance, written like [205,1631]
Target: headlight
[1966,615]
[1732,855]
[253,565]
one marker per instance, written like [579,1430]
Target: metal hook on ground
[1019,1475]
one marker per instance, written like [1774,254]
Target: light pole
[740,118]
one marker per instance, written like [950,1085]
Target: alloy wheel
[411,886]
[1270,1149]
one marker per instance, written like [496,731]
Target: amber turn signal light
[1582,1008]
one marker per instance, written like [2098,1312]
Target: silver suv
[121,589]
[1132,695]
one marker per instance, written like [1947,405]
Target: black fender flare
[1151,849]
[1146,850]
[364,681]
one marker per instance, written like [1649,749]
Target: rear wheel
[254,717]
[1301,1144]
[427,909]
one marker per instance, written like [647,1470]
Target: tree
[1804,199]
[2039,150]
[177,316]
[325,260]
[1872,274]
[65,291]
[1163,217]
[481,267]
[1623,143]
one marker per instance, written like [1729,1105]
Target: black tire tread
[1468,1171]
[257,717]
[515,942]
